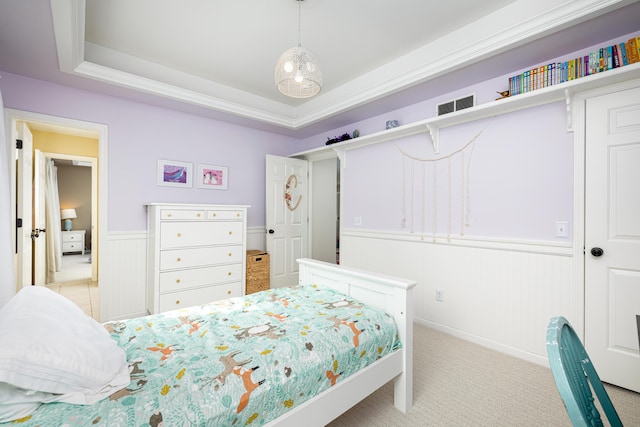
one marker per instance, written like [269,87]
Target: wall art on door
[174,174]
[212,177]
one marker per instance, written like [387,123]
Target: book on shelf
[632,51]
[599,60]
[623,53]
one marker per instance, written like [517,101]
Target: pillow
[17,403]
[54,347]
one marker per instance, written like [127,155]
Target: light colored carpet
[74,267]
[458,383]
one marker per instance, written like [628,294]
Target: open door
[286,217]
[24,204]
[39,219]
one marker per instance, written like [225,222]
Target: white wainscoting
[256,238]
[500,294]
[123,281]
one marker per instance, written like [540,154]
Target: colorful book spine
[632,51]
[599,60]
[623,53]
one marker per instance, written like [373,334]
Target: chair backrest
[576,377]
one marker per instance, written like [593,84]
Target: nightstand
[73,241]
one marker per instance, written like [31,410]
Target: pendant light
[298,73]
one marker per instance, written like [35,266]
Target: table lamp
[67,215]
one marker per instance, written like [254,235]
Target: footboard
[387,293]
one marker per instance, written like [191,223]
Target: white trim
[494,345]
[528,246]
[99,131]
[507,28]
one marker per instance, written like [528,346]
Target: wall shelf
[563,91]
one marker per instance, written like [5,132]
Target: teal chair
[576,377]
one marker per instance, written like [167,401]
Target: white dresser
[73,241]
[196,254]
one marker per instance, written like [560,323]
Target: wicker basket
[258,272]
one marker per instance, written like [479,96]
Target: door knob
[35,233]
[597,252]
[271,231]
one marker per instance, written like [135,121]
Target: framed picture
[212,177]
[175,174]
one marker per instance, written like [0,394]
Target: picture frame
[171,173]
[212,177]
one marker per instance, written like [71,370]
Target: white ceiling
[216,57]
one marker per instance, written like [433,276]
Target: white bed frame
[391,294]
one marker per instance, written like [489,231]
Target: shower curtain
[7,278]
[52,212]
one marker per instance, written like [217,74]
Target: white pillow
[17,403]
[50,345]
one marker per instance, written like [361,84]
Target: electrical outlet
[562,229]
[439,295]
[357,220]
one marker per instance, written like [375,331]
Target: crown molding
[512,26]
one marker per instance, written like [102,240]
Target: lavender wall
[518,183]
[140,134]
[515,181]
[520,179]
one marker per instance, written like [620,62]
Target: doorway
[58,133]
[325,210]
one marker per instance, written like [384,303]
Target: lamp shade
[298,74]
[68,214]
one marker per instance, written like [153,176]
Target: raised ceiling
[216,57]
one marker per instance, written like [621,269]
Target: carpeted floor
[458,383]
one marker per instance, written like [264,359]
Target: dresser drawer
[73,236]
[224,215]
[171,281]
[182,214]
[175,300]
[72,246]
[186,258]
[186,234]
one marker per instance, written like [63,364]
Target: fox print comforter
[237,362]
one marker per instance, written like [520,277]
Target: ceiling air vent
[458,104]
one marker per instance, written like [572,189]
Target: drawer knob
[179,234]
[229,274]
[215,214]
[179,259]
[230,254]
[198,215]
[230,233]
[238,215]
[228,292]
[169,215]
[177,280]
[177,301]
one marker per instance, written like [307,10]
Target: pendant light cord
[299,23]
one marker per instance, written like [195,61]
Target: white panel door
[612,236]
[24,201]
[286,217]
[39,219]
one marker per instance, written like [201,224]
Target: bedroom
[512,240]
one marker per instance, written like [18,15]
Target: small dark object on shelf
[345,136]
